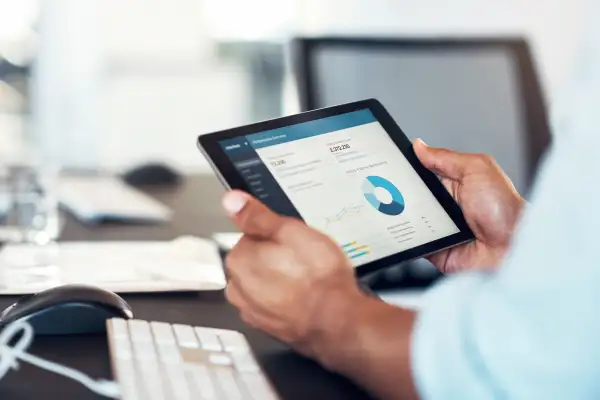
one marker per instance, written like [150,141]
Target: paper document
[184,264]
[95,198]
[226,240]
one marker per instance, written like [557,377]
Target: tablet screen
[344,176]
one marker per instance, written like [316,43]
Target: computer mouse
[68,310]
[152,174]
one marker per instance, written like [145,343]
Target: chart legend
[355,250]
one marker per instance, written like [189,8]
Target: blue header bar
[311,128]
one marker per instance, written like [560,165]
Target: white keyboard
[156,360]
[94,198]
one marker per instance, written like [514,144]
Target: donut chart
[373,182]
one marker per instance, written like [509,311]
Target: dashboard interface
[344,176]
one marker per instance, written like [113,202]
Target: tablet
[348,171]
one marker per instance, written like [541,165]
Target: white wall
[553,26]
[162,85]
[138,88]
[66,97]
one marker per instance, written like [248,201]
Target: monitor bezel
[534,112]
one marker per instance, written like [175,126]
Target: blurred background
[110,84]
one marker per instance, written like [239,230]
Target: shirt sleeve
[531,330]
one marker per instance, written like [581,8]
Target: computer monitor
[472,95]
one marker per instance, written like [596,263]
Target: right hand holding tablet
[488,199]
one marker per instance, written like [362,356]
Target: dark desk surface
[197,211]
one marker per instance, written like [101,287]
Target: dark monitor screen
[467,98]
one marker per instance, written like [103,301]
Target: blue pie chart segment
[373,182]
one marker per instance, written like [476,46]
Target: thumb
[444,162]
[251,216]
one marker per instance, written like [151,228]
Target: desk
[197,211]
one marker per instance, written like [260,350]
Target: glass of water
[29,226]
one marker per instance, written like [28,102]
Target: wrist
[370,344]
[335,325]
[346,327]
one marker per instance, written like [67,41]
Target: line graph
[343,214]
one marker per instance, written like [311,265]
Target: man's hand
[489,201]
[296,284]
[286,278]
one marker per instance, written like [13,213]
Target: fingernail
[233,202]
[422,141]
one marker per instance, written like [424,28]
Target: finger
[250,259]
[251,315]
[234,297]
[251,216]
[272,326]
[250,273]
[451,187]
[439,260]
[447,163]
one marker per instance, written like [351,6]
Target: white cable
[10,356]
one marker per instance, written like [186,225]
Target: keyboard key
[233,341]
[185,336]
[125,369]
[178,383]
[127,380]
[163,334]
[122,348]
[244,362]
[202,381]
[152,380]
[139,331]
[144,351]
[228,384]
[220,359]
[208,339]
[169,354]
[119,328]
[257,386]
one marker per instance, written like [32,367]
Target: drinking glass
[29,226]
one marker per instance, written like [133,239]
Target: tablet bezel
[230,178]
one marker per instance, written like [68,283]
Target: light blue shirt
[531,330]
